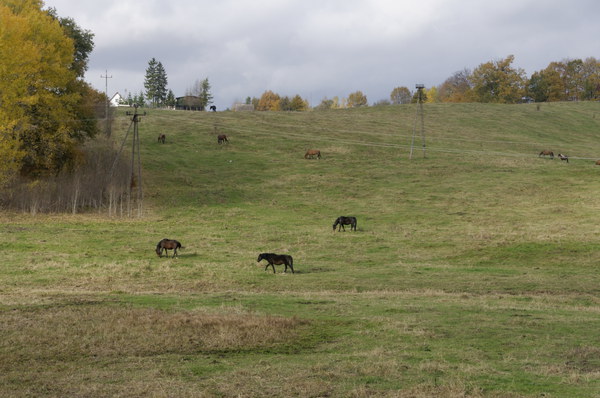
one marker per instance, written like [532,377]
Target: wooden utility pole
[420,113]
[136,169]
[106,77]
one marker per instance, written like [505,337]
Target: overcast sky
[324,48]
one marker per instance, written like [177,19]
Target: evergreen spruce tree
[171,100]
[161,85]
[150,81]
[205,95]
[155,83]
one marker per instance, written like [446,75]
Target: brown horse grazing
[598,162]
[221,138]
[162,138]
[166,245]
[345,220]
[547,153]
[277,259]
[311,153]
[563,157]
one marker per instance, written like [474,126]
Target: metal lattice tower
[419,116]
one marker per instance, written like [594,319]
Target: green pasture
[473,272]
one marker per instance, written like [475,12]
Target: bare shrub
[100,182]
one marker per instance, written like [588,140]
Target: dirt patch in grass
[584,359]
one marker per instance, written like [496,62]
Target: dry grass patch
[73,332]
[103,350]
[338,150]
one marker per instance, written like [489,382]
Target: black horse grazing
[221,138]
[162,138]
[547,153]
[341,221]
[213,108]
[277,259]
[563,157]
[166,245]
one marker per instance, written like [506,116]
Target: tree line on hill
[499,81]
[495,81]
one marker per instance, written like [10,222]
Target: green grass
[472,273]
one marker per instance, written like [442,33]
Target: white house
[116,100]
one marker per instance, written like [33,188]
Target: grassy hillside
[473,271]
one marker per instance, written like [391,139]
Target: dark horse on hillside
[547,153]
[341,221]
[563,157]
[166,245]
[221,138]
[162,138]
[277,259]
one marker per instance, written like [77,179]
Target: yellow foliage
[269,101]
[36,109]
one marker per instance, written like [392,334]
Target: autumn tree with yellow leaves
[44,107]
[269,101]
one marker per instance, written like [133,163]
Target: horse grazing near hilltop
[162,138]
[341,221]
[311,153]
[563,157]
[277,259]
[221,138]
[547,153]
[166,245]
[213,108]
